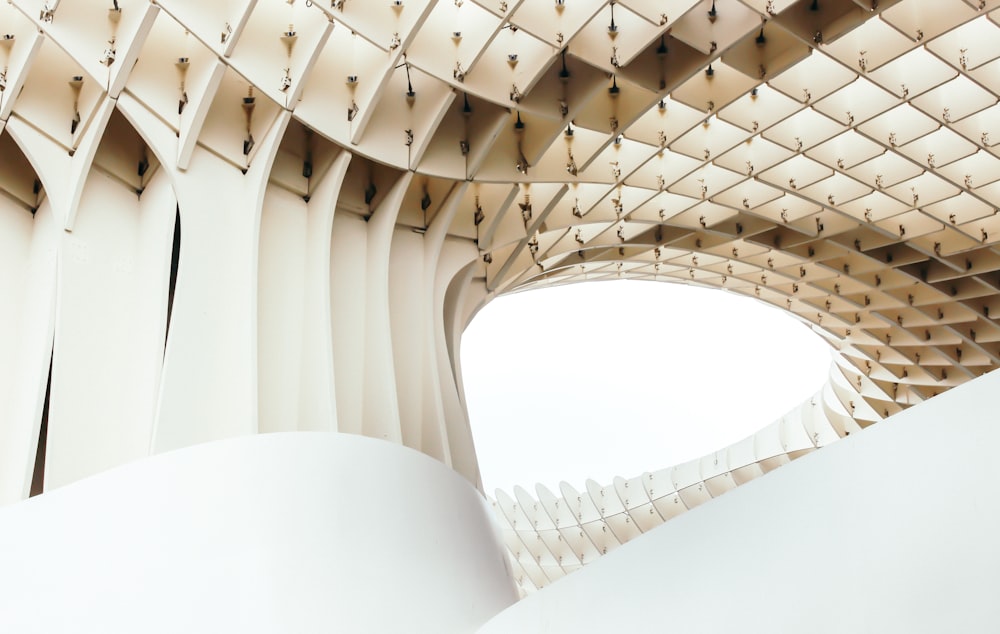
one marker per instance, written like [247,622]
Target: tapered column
[27,284]
[209,387]
[295,359]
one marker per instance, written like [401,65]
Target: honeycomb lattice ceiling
[836,158]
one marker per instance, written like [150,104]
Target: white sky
[617,378]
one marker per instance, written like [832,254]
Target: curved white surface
[301,532]
[891,530]
[355,180]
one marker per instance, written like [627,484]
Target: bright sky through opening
[617,378]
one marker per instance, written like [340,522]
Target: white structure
[865,536]
[225,218]
[258,534]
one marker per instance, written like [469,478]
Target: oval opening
[598,380]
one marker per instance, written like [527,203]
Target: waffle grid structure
[249,216]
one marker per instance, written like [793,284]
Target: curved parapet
[298,532]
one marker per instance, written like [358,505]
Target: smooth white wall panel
[302,532]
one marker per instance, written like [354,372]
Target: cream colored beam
[125,60]
[82,159]
[18,49]
[395,55]
[196,112]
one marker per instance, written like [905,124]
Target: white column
[209,387]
